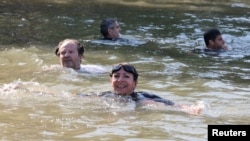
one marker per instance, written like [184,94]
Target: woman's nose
[120,78]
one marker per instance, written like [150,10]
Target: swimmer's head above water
[70,53]
[213,40]
[110,29]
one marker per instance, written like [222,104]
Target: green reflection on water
[47,22]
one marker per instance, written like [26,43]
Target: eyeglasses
[127,68]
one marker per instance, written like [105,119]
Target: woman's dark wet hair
[80,47]
[127,67]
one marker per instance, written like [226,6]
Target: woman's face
[123,82]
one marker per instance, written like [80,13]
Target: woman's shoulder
[147,94]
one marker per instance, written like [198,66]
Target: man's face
[114,32]
[218,43]
[69,56]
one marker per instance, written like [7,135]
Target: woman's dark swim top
[135,96]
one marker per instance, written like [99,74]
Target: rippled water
[37,97]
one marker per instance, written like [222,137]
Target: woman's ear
[136,83]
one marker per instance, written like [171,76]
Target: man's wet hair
[80,47]
[107,24]
[211,34]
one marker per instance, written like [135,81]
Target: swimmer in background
[124,79]
[111,34]
[71,53]
[214,42]
[110,29]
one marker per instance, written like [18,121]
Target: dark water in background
[159,33]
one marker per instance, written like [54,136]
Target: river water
[37,97]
